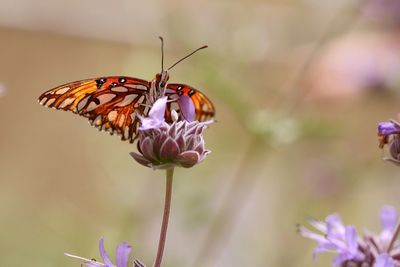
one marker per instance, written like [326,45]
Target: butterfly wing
[110,103]
[203,107]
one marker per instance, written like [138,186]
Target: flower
[122,255]
[162,145]
[368,250]
[381,10]
[389,133]
[384,260]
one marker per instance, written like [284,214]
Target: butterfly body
[115,104]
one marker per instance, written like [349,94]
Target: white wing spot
[121,120]
[140,101]
[105,98]
[127,100]
[66,102]
[102,99]
[91,106]
[44,99]
[51,101]
[83,103]
[126,132]
[98,120]
[62,91]
[112,115]
[119,89]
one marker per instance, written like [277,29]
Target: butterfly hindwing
[110,103]
[204,109]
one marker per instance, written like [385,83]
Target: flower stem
[164,225]
[394,238]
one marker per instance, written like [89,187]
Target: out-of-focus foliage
[299,87]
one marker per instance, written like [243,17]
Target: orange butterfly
[115,104]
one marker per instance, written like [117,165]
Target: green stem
[394,238]
[164,225]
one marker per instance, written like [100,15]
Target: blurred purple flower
[122,256]
[162,145]
[370,250]
[384,260]
[389,133]
[381,10]
[337,237]
[388,128]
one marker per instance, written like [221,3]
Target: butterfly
[115,104]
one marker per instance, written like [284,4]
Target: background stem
[164,225]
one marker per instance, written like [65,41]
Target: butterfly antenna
[187,56]
[162,53]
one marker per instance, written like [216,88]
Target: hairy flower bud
[389,134]
[162,145]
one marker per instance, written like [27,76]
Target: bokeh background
[299,87]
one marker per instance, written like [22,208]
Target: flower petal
[389,218]
[146,147]
[309,234]
[384,260]
[351,240]
[187,108]
[172,130]
[86,262]
[140,159]
[181,142]
[334,227]
[122,255]
[200,147]
[188,159]
[155,118]
[157,111]
[104,255]
[388,128]
[169,149]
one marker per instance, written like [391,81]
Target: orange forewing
[110,103]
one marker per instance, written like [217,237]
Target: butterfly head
[162,79]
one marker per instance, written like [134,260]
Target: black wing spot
[180,93]
[122,80]
[113,84]
[191,92]
[100,82]
[179,88]
[97,101]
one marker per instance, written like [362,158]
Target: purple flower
[388,128]
[122,255]
[370,250]
[389,133]
[389,219]
[155,119]
[162,145]
[187,108]
[384,260]
[381,10]
[335,237]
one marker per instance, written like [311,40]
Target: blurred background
[299,87]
